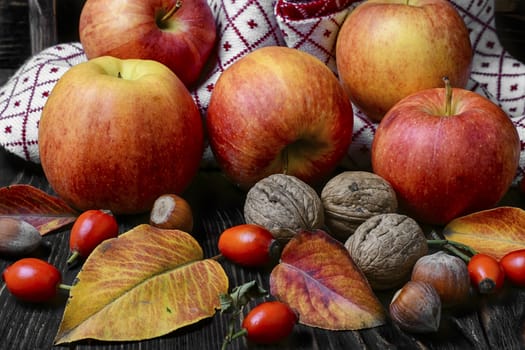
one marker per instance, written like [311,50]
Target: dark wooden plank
[42,24]
[5,74]
[510,26]
[68,13]
[15,44]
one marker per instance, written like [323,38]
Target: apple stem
[171,11]
[448,96]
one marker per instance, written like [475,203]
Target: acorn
[18,237]
[416,308]
[171,211]
[447,273]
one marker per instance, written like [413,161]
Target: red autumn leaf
[146,283]
[28,203]
[317,277]
[494,231]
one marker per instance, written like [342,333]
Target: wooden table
[486,323]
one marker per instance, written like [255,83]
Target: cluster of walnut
[284,204]
[356,207]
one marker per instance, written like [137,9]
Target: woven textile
[245,25]
[23,97]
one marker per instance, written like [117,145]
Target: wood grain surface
[495,322]
[15,44]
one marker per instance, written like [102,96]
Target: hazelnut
[171,212]
[416,307]
[18,237]
[447,273]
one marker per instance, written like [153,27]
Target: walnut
[284,205]
[352,197]
[386,247]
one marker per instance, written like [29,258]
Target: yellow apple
[389,49]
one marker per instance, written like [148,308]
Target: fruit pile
[279,124]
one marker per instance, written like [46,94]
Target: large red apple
[178,33]
[116,134]
[389,49]
[278,110]
[444,159]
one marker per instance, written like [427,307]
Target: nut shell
[352,197]
[171,211]
[283,204]
[447,273]
[386,247]
[416,307]
[18,237]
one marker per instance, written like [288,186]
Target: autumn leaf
[317,277]
[494,231]
[28,203]
[146,283]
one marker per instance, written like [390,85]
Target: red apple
[446,156]
[389,49]
[178,33]
[116,134]
[278,110]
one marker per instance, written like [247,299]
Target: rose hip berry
[248,245]
[269,322]
[513,263]
[486,274]
[90,229]
[32,280]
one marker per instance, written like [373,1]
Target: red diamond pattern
[494,71]
[19,119]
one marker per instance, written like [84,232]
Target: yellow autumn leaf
[319,280]
[146,283]
[494,231]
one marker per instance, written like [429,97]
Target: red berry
[247,245]
[513,264]
[269,322]
[486,274]
[32,280]
[90,229]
